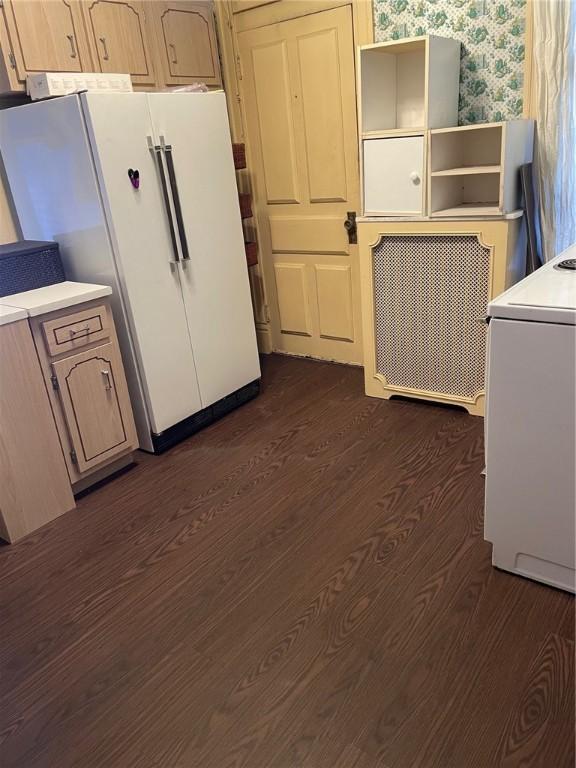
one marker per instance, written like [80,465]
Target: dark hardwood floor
[304,584]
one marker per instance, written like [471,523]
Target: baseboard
[186,428]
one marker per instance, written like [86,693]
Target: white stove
[531,426]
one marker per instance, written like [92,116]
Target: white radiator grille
[430,292]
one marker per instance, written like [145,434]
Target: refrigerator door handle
[175,197]
[157,150]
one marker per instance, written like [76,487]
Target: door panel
[314,235]
[215,278]
[47,37]
[142,245]
[94,397]
[300,102]
[293,298]
[187,42]
[393,175]
[272,87]
[334,294]
[119,38]
[318,57]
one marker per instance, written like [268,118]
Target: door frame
[229,24]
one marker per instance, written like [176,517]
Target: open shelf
[464,149]
[409,85]
[467,171]
[475,170]
[469,209]
[465,194]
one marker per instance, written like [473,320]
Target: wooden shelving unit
[473,170]
[405,87]
[409,84]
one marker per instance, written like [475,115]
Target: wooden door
[298,87]
[96,406]
[119,39]
[186,42]
[46,36]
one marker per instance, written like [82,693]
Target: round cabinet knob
[414,178]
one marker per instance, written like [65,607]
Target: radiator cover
[430,296]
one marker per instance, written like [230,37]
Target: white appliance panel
[548,295]
[119,126]
[530,449]
[215,278]
[394,175]
[48,160]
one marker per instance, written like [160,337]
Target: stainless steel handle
[103,41]
[72,46]
[107,380]
[157,149]
[175,197]
[174,57]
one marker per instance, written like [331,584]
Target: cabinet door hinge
[12,60]
[73,457]
[54,381]
[238,67]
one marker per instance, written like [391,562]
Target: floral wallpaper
[492,37]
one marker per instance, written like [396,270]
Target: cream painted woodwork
[186,42]
[41,37]
[80,359]
[119,39]
[34,484]
[506,241]
[298,92]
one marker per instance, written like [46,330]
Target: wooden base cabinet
[34,484]
[80,358]
[425,290]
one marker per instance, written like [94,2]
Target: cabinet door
[119,39]
[96,406]
[393,176]
[46,37]
[186,42]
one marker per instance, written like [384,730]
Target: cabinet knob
[415,178]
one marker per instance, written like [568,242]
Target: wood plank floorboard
[304,584]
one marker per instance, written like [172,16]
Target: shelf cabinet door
[394,176]
[186,42]
[44,37]
[94,398]
[119,39]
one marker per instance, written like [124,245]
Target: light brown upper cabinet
[40,37]
[186,42]
[119,39]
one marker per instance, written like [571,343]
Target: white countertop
[547,295]
[11,314]
[52,297]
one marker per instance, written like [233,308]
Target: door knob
[415,178]
[350,227]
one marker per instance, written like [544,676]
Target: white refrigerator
[139,190]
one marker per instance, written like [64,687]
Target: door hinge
[238,67]
[73,457]
[54,381]
[12,60]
